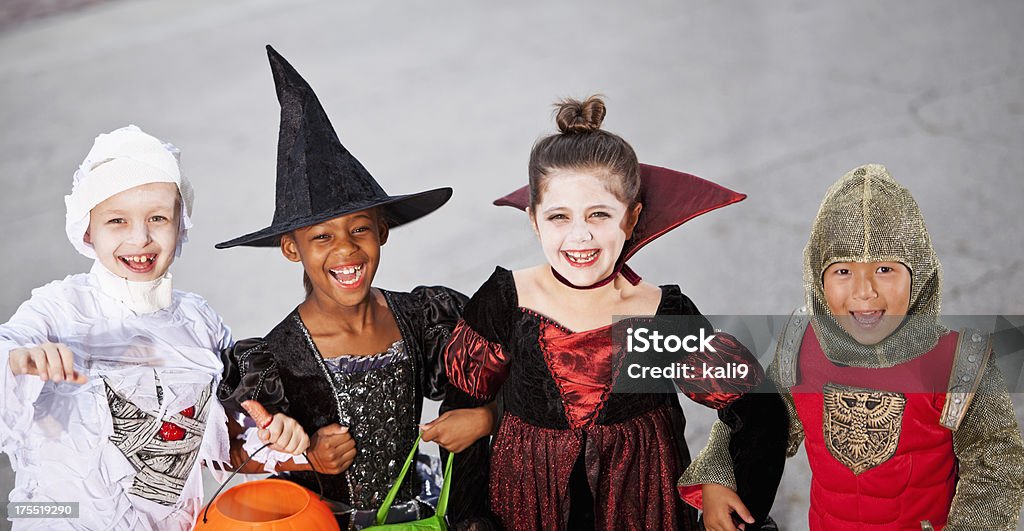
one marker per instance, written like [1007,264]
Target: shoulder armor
[789,346]
[973,349]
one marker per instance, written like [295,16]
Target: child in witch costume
[352,363]
[570,453]
[105,396]
[907,424]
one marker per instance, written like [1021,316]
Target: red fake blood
[170,431]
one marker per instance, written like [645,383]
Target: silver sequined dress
[377,400]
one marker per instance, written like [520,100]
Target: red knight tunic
[880,459]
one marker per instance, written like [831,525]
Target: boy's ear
[86,237]
[289,249]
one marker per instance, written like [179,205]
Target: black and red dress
[570,453]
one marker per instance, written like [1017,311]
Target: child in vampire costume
[329,205]
[913,430]
[571,453]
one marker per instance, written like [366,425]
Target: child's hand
[49,361]
[332,449]
[457,429]
[283,432]
[719,504]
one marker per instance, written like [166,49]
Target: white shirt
[58,435]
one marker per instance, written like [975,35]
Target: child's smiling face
[135,232]
[340,256]
[868,299]
[582,226]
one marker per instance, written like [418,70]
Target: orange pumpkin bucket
[267,505]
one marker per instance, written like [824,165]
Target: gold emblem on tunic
[862,426]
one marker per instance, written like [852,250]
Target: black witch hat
[317,178]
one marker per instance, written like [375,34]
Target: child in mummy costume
[106,396]
[907,425]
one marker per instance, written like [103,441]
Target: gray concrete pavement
[15,13]
[774,99]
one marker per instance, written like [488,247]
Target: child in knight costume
[105,397]
[352,363]
[907,425]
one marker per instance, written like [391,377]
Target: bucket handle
[442,501]
[316,474]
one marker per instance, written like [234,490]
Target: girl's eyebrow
[601,206]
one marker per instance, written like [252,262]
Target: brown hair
[583,145]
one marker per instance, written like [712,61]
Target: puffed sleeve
[990,460]
[477,367]
[474,358]
[250,373]
[722,373]
[438,311]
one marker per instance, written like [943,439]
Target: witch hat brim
[398,210]
[317,178]
[670,198]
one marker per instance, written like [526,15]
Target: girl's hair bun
[576,117]
[583,145]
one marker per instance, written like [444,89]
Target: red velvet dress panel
[556,388]
[917,482]
[582,366]
[631,468]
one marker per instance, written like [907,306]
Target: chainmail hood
[868,217]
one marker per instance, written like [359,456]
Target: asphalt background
[774,99]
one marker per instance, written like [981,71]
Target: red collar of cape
[670,198]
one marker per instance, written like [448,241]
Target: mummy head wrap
[120,160]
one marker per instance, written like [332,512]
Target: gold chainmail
[990,458]
[713,464]
[868,217]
